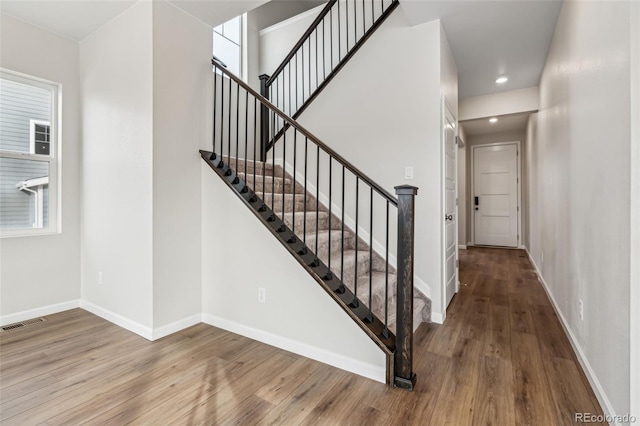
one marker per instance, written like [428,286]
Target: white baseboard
[582,358]
[437,317]
[370,371]
[462,246]
[174,327]
[38,312]
[117,319]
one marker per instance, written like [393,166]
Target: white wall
[396,122]
[41,274]
[509,102]
[580,188]
[239,255]
[117,174]
[182,99]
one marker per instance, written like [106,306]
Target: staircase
[352,236]
[364,272]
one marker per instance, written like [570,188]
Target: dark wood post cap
[406,190]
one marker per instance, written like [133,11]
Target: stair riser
[349,268]
[323,224]
[271,187]
[288,203]
[251,167]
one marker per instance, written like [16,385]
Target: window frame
[32,134]
[54,159]
[241,44]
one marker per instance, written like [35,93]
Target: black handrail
[381,191]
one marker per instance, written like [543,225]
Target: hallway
[501,359]
[509,357]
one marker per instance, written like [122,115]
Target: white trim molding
[370,371]
[39,312]
[520,159]
[117,319]
[176,326]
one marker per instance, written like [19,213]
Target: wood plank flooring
[501,358]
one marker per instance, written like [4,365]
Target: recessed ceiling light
[493,120]
[501,80]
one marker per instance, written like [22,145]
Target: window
[40,137]
[227,44]
[29,155]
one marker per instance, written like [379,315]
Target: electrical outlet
[581,309]
[541,258]
[408,173]
[262,295]
[99,277]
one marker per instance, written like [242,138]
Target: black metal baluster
[215,86]
[330,191]
[385,332]
[255,139]
[373,13]
[289,80]
[284,162]
[229,129]
[331,35]
[273,164]
[317,194]
[221,119]
[246,133]
[364,21]
[346,19]
[237,125]
[295,158]
[304,217]
[309,92]
[324,47]
[355,269]
[342,230]
[370,318]
[302,60]
[316,32]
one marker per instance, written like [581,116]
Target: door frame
[447,110]
[519,188]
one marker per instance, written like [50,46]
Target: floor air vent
[21,324]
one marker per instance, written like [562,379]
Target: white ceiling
[279,10]
[77,19]
[487,38]
[505,123]
[491,38]
[70,18]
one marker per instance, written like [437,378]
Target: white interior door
[495,195]
[450,239]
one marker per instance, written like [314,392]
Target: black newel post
[264,118]
[404,376]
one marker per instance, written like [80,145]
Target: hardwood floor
[501,358]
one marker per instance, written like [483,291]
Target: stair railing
[325,47]
[324,190]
